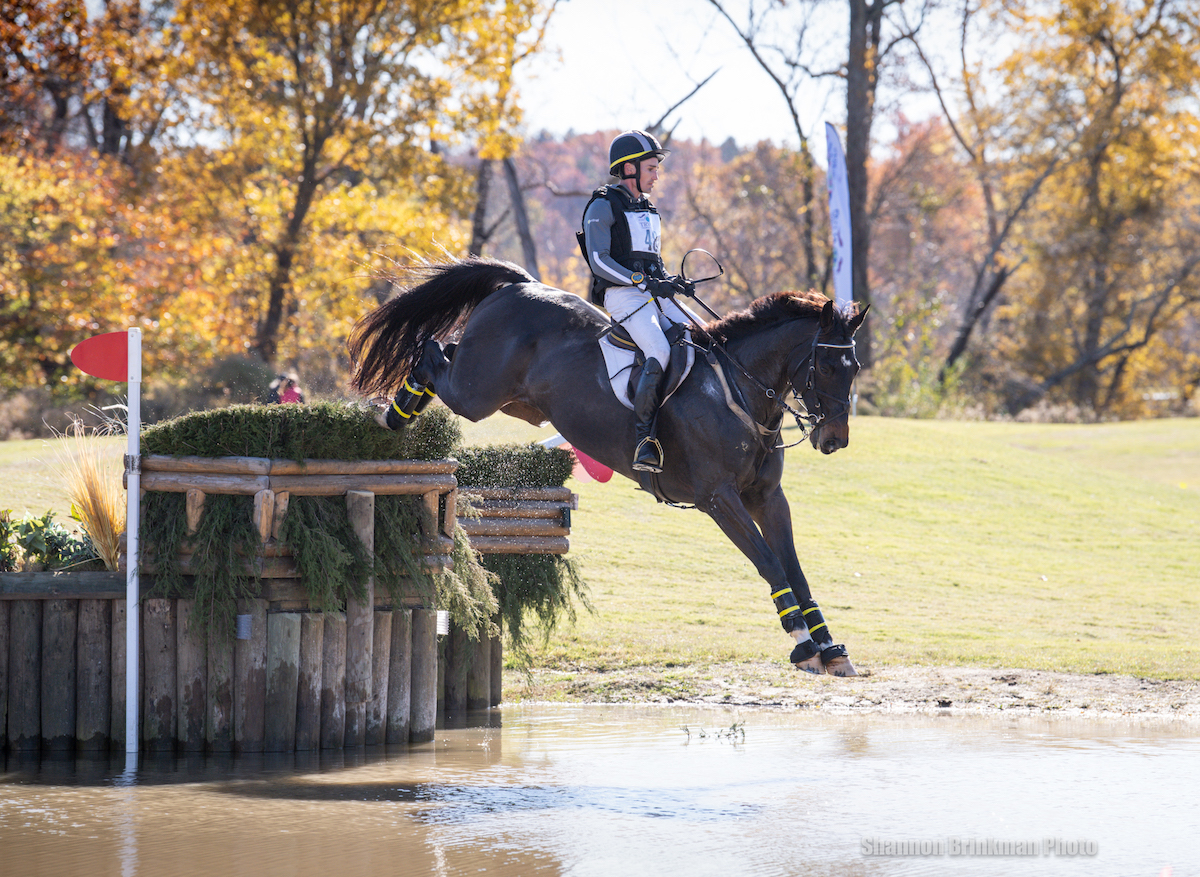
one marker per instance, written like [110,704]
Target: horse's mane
[779,307]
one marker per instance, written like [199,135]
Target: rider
[621,240]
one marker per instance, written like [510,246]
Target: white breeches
[646,318]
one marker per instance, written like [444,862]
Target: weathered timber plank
[218,725]
[337,485]
[333,682]
[191,688]
[62,585]
[308,682]
[542,494]
[202,465]
[250,680]
[479,673]
[399,691]
[381,656]
[520,544]
[4,610]
[458,665]
[158,685]
[93,681]
[424,675]
[513,527]
[59,622]
[516,509]
[116,733]
[182,482]
[25,676]
[360,623]
[364,467]
[283,674]
[497,674]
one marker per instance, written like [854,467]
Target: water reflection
[625,790]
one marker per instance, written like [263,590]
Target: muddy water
[573,790]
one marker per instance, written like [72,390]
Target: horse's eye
[825,369]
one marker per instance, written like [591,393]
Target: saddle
[624,361]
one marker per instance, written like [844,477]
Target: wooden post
[25,676]
[360,620]
[250,680]
[497,660]
[458,664]
[308,682]
[194,507]
[424,675]
[59,621]
[116,733]
[283,674]
[158,687]
[381,656]
[264,514]
[281,506]
[3,673]
[479,673]
[333,684]
[399,694]
[191,689]
[93,703]
[218,726]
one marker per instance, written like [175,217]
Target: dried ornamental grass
[91,467]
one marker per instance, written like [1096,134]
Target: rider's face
[647,175]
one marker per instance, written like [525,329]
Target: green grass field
[1056,547]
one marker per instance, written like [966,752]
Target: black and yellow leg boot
[834,657]
[647,453]
[806,655]
[409,402]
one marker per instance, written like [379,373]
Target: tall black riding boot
[647,454]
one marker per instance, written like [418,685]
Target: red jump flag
[104,356]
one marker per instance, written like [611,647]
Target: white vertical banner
[839,218]
[133,467]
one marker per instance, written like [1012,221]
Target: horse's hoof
[840,666]
[810,665]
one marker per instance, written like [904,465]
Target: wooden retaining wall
[293,679]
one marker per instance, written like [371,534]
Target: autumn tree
[1082,140]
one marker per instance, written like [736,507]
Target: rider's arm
[597,236]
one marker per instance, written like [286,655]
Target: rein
[807,421]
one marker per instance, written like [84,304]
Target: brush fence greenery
[296,675]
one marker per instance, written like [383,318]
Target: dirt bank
[883,690]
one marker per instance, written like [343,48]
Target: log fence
[293,678]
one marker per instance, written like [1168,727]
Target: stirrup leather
[648,466]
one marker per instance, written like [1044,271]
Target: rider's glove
[659,288]
[682,285]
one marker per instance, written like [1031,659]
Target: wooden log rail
[519,520]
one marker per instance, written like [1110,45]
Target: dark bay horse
[531,351]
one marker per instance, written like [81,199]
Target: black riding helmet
[633,146]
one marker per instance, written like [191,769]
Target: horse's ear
[857,319]
[827,316]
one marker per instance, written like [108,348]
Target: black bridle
[812,416]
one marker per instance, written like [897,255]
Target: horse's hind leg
[472,379]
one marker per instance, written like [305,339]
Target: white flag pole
[132,505]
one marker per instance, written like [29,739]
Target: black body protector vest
[636,238]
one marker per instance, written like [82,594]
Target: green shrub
[514,466]
[42,542]
[325,431]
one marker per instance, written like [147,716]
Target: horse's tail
[385,345]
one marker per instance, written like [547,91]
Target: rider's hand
[659,288]
[680,285]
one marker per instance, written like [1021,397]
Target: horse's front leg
[774,517]
[726,507]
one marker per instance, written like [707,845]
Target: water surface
[591,790]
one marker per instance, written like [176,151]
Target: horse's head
[824,378]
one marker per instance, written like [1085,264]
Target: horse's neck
[766,355]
